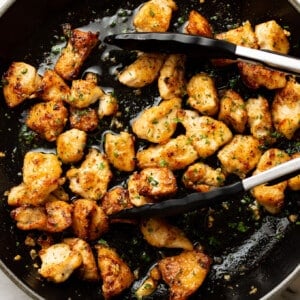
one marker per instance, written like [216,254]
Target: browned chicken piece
[154,16]
[108,105]
[184,273]
[171,81]
[84,93]
[294,183]
[59,216]
[88,270]
[158,233]
[243,35]
[256,76]
[271,36]
[70,145]
[21,82]
[91,179]
[120,150]
[48,119]
[29,218]
[135,197]
[85,119]
[143,71]
[156,182]
[201,177]
[116,200]
[115,273]
[59,262]
[58,194]
[260,119]
[20,195]
[206,134]
[79,46]
[53,87]
[240,156]
[198,25]
[203,95]
[233,111]
[286,109]
[176,154]
[158,123]
[89,220]
[270,197]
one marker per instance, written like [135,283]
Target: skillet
[256,259]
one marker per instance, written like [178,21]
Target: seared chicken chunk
[175,154]
[88,270]
[198,25]
[143,71]
[91,179]
[79,46]
[158,233]
[48,119]
[59,262]
[70,145]
[241,155]
[201,177]
[158,123]
[256,76]
[115,273]
[233,111]
[89,220]
[184,273]
[271,197]
[120,150]
[53,87]
[286,109]
[206,134]
[203,94]
[154,16]
[85,119]
[20,195]
[21,82]
[260,119]
[108,105]
[294,183]
[171,82]
[84,93]
[115,200]
[156,182]
[271,36]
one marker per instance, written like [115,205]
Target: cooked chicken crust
[108,105]
[198,25]
[294,183]
[85,119]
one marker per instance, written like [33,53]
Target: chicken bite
[59,262]
[158,123]
[79,46]
[260,119]
[158,233]
[240,156]
[206,134]
[88,270]
[115,273]
[108,105]
[48,119]
[176,154]
[143,71]
[171,82]
[203,95]
[91,179]
[184,273]
[21,82]
[294,183]
[154,16]
[286,109]
[70,145]
[198,25]
[120,150]
[270,197]
[201,177]
[85,119]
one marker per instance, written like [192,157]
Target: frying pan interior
[255,260]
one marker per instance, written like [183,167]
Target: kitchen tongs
[194,201]
[202,47]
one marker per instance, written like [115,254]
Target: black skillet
[257,256]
